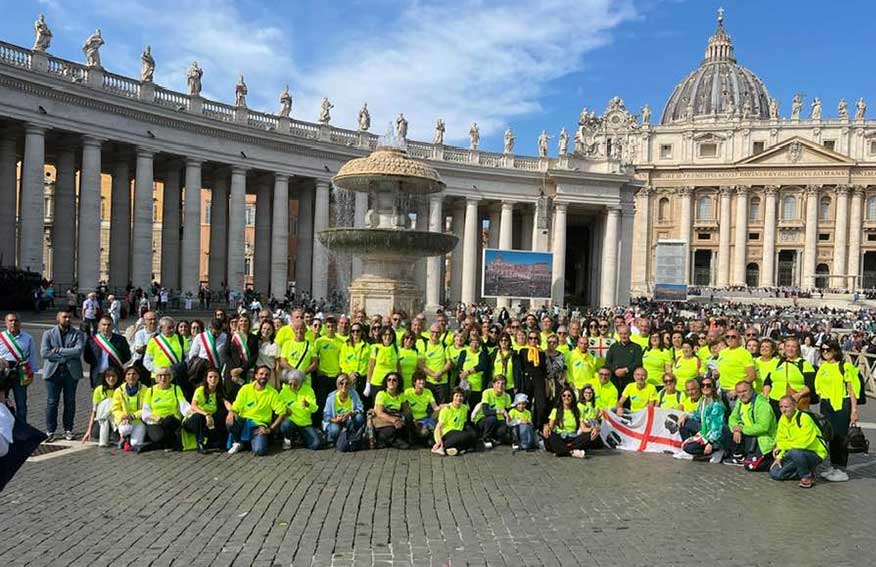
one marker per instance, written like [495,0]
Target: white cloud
[463,61]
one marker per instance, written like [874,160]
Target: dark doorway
[702,272]
[752,275]
[869,278]
[787,268]
[579,239]
[822,281]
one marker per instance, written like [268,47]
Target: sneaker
[235,448]
[439,451]
[515,447]
[682,456]
[717,456]
[287,444]
[68,435]
[50,436]
[807,482]
[579,453]
[541,444]
[735,461]
[488,445]
[833,474]
[452,452]
[127,446]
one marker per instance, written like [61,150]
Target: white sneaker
[515,447]
[833,474]
[439,451]
[287,444]
[682,456]
[541,444]
[235,448]
[579,453]
[717,456]
[452,452]
[488,445]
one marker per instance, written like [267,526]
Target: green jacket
[757,420]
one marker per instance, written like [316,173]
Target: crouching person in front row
[423,410]
[250,417]
[453,435]
[800,446]
[343,410]
[300,402]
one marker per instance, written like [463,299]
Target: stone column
[320,253]
[642,241]
[120,224]
[434,263]
[171,213]
[88,272]
[422,265]
[141,233]
[262,268]
[280,237]
[470,252]
[9,200]
[506,240]
[608,283]
[64,233]
[190,272]
[527,219]
[236,229]
[457,225]
[304,255]
[540,226]
[558,275]
[741,238]
[685,195]
[218,231]
[855,236]
[359,211]
[32,207]
[841,226]
[768,269]
[724,239]
[810,248]
[495,220]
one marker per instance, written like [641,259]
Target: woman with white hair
[300,402]
[343,410]
[163,410]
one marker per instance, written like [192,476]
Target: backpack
[862,394]
[856,440]
[822,423]
[351,439]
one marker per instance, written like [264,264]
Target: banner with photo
[517,273]
[652,430]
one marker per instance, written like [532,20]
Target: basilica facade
[760,198]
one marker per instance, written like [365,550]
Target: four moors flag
[652,430]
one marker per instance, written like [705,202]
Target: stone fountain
[388,247]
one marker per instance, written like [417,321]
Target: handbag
[856,441]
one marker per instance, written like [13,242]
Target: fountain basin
[390,166]
[386,243]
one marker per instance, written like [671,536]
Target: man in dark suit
[106,349]
[61,350]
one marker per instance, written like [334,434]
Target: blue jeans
[524,436]
[308,433]
[796,463]
[244,430]
[20,393]
[333,430]
[61,381]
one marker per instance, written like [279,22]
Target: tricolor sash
[164,345]
[107,347]
[240,341]
[209,344]
[12,346]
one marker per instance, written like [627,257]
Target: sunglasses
[593,326]
[734,337]
[708,385]
[392,379]
[750,334]
[533,338]
[567,396]
[603,326]
[669,381]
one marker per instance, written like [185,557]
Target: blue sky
[528,65]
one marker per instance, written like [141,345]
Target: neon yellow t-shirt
[328,350]
[420,404]
[568,425]
[732,363]
[293,400]
[639,399]
[258,405]
[386,361]
[452,419]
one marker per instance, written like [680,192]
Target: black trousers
[492,428]
[840,420]
[164,434]
[747,446]
[322,386]
[463,440]
[563,447]
[440,391]
[197,424]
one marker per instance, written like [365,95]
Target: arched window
[789,207]
[754,209]
[871,207]
[752,275]
[822,271]
[824,209]
[663,209]
[704,208]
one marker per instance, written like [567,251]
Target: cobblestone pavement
[394,508]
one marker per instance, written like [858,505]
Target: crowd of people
[742,380]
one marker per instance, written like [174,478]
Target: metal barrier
[866,364]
